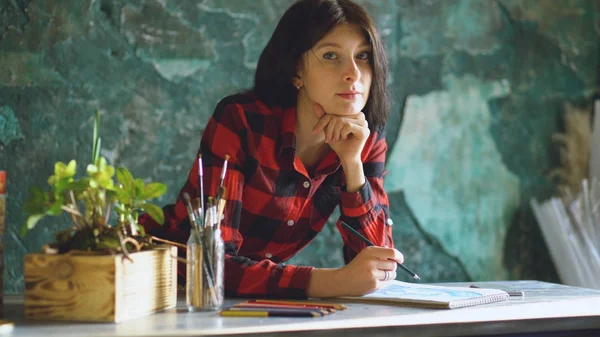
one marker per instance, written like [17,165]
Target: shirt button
[389,222]
[268,255]
[306,184]
[290,222]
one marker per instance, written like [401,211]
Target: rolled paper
[2,224]
[2,202]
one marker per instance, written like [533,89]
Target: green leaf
[125,178]
[56,208]
[139,187]
[92,169]
[98,147]
[71,169]
[96,138]
[110,171]
[30,223]
[123,196]
[154,190]
[104,180]
[78,185]
[62,185]
[36,203]
[155,212]
[93,183]
[102,163]
[62,171]
[59,167]
[112,196]
[141,230]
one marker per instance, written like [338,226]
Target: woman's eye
[363,56]
[330,56]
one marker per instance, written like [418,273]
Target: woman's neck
[310,147]
[305,122]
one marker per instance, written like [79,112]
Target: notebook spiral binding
[486,299]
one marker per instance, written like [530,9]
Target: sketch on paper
[395,291]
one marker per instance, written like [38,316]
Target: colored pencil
[321,312]
[282,306]
[369,243]
[308,304]
[269,313]
[256,306]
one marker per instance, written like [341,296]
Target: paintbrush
[223,171]
[190,210]
[200,181]
[197,209]
[221,195]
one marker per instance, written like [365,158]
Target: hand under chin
[337,111]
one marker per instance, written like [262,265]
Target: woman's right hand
[363,275]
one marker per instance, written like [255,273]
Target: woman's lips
[351,96]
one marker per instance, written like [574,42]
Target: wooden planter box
[100,288]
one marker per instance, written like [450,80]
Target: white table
[545,307]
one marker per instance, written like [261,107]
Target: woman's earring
[297,82]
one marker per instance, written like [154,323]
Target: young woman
[307,138]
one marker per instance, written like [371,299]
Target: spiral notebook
[431,296]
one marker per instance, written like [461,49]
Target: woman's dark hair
[300,28]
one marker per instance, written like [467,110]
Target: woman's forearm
[323,284]
[355,175]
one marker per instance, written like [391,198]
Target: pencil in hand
[369,243]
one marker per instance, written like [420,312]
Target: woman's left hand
[346,135]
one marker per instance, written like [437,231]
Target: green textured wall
[478,89]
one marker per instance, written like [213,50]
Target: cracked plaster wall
[477,88]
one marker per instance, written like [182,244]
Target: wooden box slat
[100,288]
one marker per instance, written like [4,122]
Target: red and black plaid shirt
[274,206]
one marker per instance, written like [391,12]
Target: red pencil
[282,306]
[302,304]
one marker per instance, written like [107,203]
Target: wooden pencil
[301,303]
[274,307]
[269,313]
[369,243]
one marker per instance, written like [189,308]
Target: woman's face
[336,73]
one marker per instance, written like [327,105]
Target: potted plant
[101,268]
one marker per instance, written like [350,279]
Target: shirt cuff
[297,282]
[359,203]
